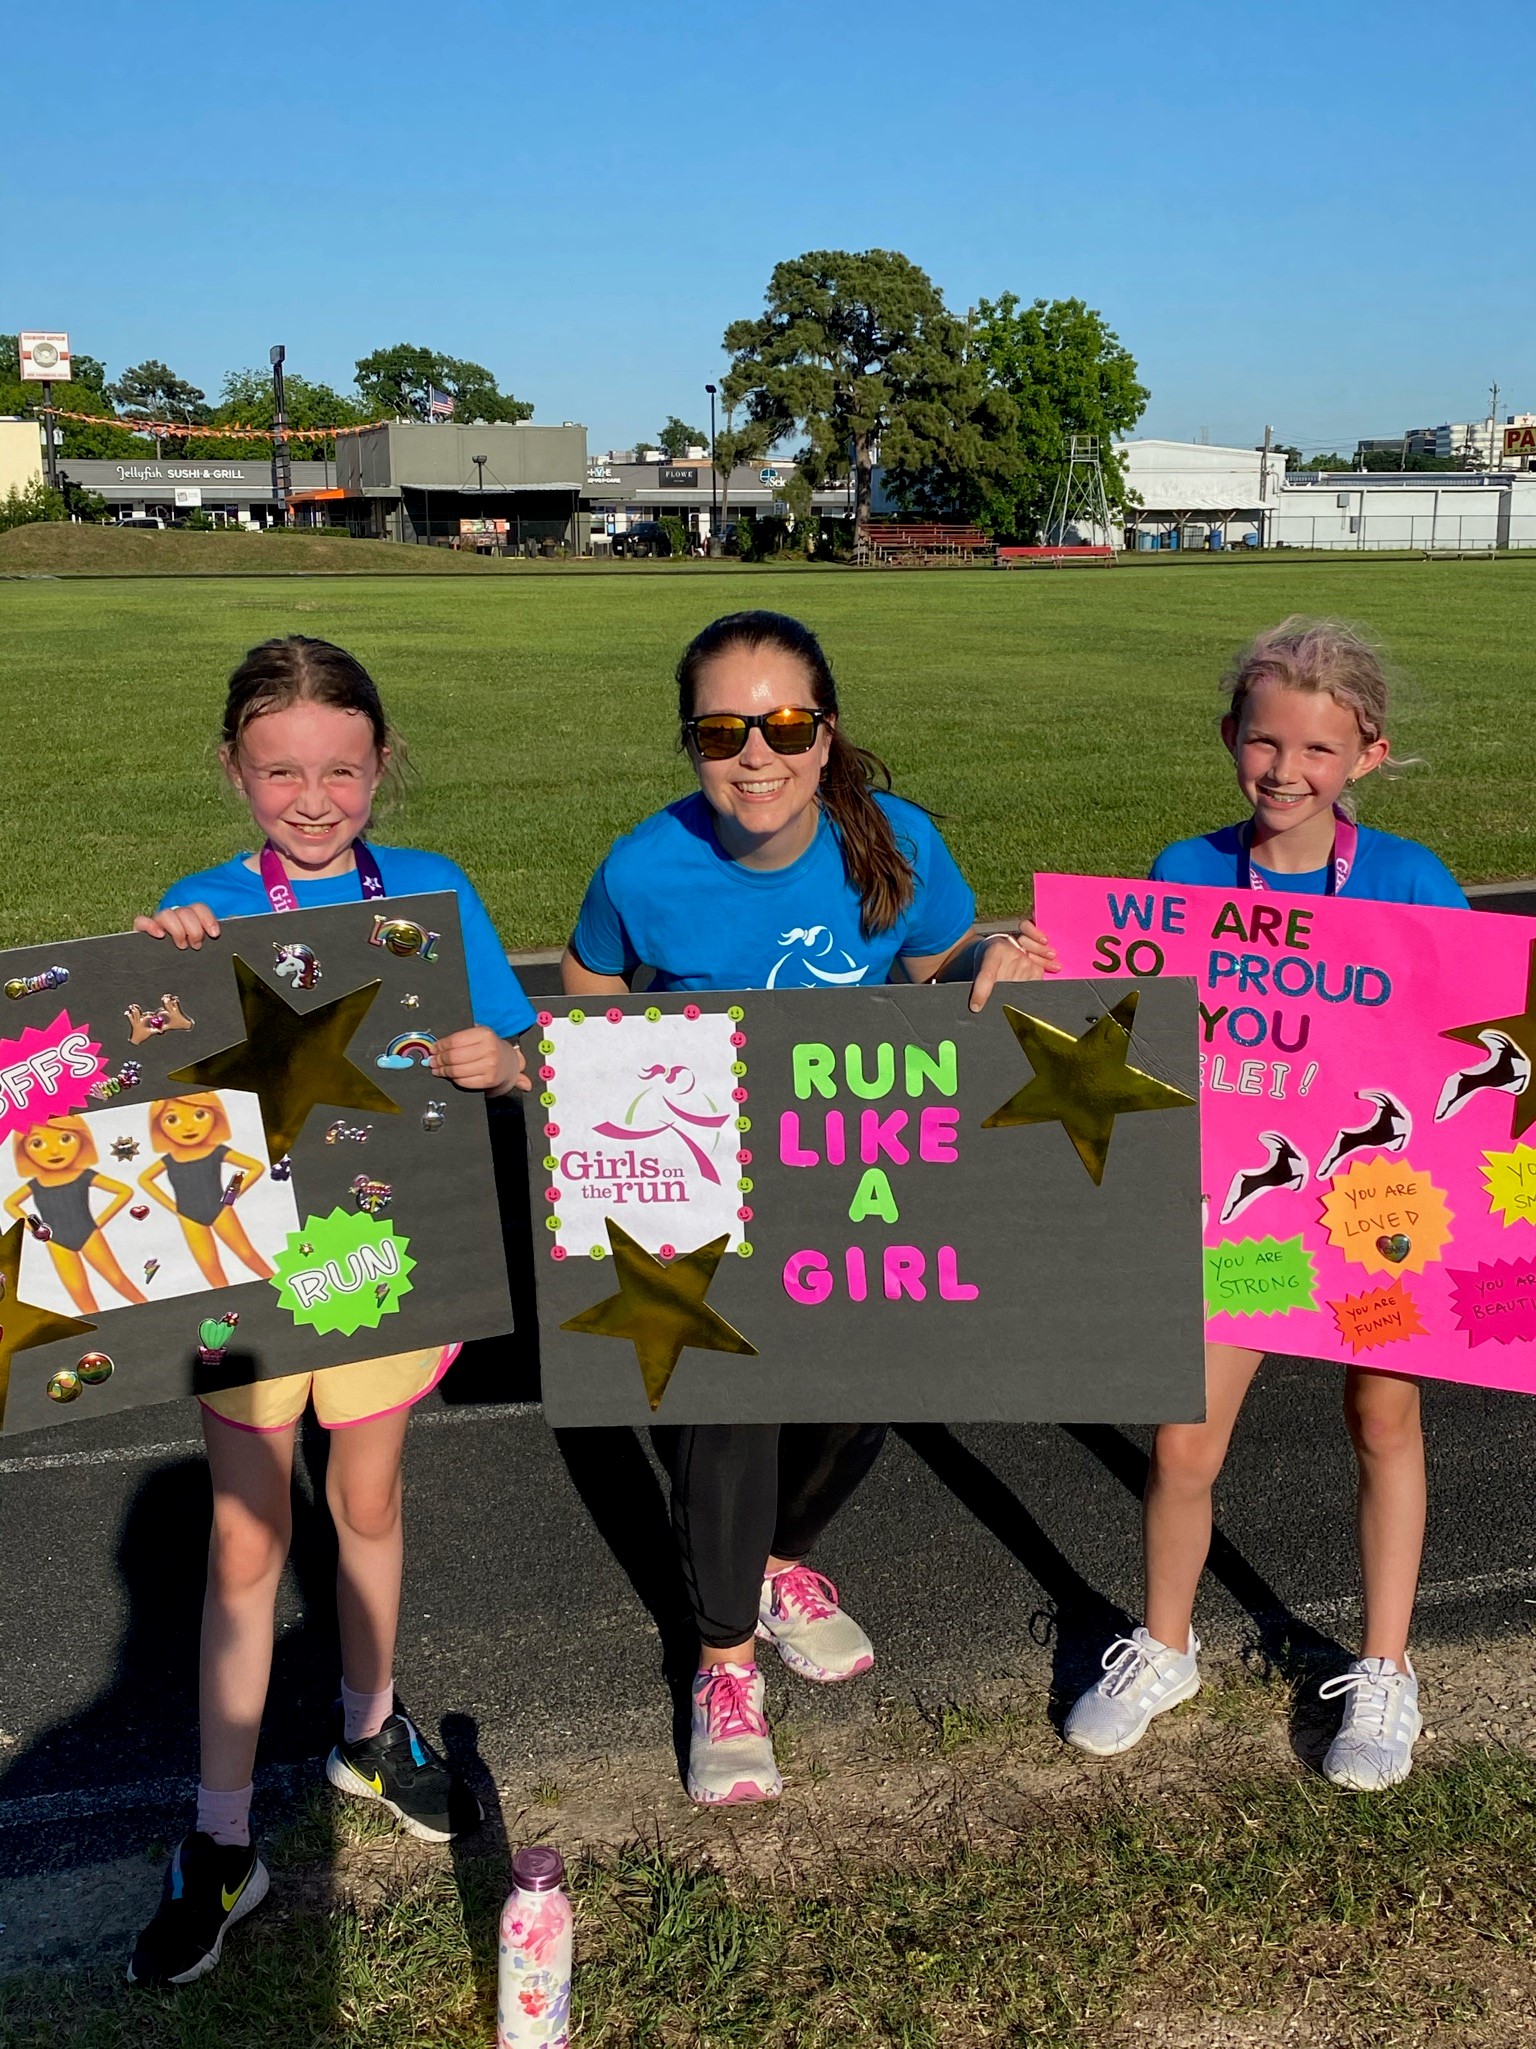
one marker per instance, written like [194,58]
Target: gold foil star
[1520,1029]
[291,1059]
[660,1307]
[1083,1084]
[22,1324]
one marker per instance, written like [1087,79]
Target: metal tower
[1079,499]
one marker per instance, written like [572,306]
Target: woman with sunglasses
[791,867]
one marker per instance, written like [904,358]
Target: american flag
[439,405]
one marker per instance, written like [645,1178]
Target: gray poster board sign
[395,1205]
[810,1174]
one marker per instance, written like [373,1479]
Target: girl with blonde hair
[1306,722]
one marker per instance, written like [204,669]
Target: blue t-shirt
[234,891]
[1387,869]
[668,895]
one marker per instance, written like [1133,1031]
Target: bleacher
[1056,557]
[923,544]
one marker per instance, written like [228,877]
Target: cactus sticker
[343,1272]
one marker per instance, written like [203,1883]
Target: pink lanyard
[280,890]
[1346,838]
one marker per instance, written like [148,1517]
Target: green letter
[814,1068]
[885,1071]
[922,1068]
[873,1198]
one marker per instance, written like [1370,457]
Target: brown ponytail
[880,872]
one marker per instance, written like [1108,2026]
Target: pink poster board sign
[1367,1152]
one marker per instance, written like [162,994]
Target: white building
[1183,494]
[1187,494]
[21,455]
[1447,510]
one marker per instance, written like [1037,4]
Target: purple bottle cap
[538,1870]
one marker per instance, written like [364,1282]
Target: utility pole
[714,479]
[50,431]
[1264,487]
[1493,426]
[282,466]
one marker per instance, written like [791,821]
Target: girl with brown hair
[791,867]
[306,743]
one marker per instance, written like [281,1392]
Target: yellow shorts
[359,1393]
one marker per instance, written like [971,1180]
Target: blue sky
[1307,214]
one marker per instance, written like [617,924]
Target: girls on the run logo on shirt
[814,960]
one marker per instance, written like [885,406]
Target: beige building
[21,455]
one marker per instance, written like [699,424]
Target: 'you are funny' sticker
[344,1272]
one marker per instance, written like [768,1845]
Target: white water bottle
[533,1977]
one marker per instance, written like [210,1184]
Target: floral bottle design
[533,1982]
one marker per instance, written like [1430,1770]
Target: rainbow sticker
[410,1049]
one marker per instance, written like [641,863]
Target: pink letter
[837,1142]
[807,1277]
[879,1135]
[936,1135]
[791,1152]
[951,1287]
[858,1284]
[904,1266]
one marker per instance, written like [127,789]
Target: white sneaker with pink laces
[798,1614]
[730,1752]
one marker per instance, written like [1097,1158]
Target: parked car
[646,537]
[140,519]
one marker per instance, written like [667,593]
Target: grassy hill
[57,548]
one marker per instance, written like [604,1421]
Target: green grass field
[1053,720]
[1267,1910]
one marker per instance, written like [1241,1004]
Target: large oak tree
[857,351]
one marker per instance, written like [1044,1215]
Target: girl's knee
[1386,1434]
[1189,1455]
[245,1553]
[365,1508]
[1383,1416]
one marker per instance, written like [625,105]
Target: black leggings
[742,1492]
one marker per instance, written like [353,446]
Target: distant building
[620,494]
[1188,494]
[21,455]
[1472,444]
[406,481]
[231,492]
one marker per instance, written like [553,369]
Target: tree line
[391,383]
[855,361]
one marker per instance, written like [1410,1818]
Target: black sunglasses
[721,735]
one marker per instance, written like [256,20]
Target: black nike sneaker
[400,1767]
[208,1887]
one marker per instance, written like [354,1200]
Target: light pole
[282,472]
[714,477]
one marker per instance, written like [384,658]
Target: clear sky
[1307,214]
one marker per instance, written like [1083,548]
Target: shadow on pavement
[1079,1619]
[1082,1621]
[621,1492]
[141,1730]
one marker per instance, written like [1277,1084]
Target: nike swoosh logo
[372,1780]
[231,1899]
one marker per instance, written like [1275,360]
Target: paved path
[542,1601]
